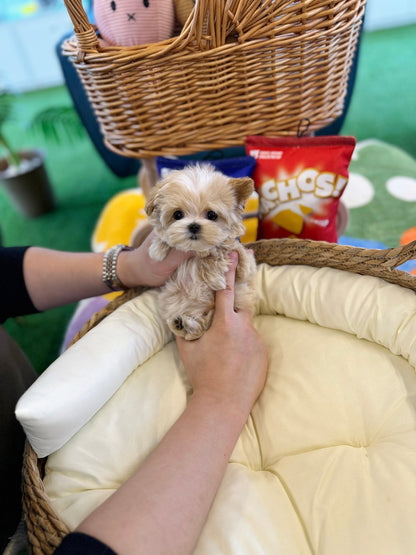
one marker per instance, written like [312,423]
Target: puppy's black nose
[194,228]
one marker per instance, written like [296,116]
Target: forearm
[163,507]
[54,278]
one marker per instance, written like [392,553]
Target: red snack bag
[300,181]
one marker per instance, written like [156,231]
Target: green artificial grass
[390,212]
[82,184]
[383,102]
[382,107]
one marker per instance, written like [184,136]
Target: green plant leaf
[57,123]
[6,104]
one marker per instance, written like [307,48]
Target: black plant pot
[29,190]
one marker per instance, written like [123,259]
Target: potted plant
[22,172]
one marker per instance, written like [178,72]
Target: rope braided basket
[45,529]
[237,68]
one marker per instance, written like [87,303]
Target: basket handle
[84,31]
[212,21]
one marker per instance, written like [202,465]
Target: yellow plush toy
[118,219]
[124,213]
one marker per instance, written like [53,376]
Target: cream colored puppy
[201,210]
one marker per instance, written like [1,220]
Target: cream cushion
[84,377]
[327,460]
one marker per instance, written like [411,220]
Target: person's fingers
[144,236]
[180,341]
[148,240]
[224,299]
[185,348]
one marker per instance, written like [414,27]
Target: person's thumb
[224,299]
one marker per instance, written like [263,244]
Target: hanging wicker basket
[238,68]
[45,529]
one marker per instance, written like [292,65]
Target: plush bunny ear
[243,187]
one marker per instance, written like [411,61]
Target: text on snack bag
[320,184]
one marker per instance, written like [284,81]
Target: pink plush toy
[132,22]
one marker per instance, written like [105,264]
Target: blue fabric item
[242,166]
[122,166]
[363,243]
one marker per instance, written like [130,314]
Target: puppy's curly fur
[201,210]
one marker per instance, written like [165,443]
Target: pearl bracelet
[109,275]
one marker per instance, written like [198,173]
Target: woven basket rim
[380,263]
[153,51]
[302,22]
[122,55]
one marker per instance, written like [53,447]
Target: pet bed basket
[237,68]
[45,529]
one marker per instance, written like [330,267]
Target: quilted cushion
[326,462]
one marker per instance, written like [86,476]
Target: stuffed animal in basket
[199,209]
[133,22]
[183,8]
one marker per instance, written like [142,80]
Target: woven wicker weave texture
[238,68]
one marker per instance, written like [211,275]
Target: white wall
[381,14]
[28,60]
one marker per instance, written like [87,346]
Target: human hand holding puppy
[137,267]
[199,209]
[164,505]
[228,363]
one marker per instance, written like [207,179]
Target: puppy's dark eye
[211,215]
[178,215]
[146,3]
[113,6]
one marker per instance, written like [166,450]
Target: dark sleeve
[76,543]
[15,299]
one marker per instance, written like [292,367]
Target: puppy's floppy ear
[151,200]
[243,187]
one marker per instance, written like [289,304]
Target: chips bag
[300,181]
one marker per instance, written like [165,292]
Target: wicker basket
[238,68]
[45,530]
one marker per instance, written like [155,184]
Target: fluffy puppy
[201,210]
